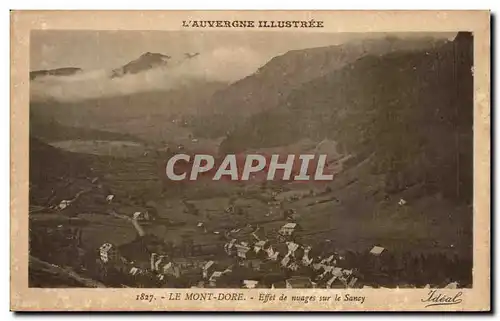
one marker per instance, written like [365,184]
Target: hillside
[410,111]
[148,115]
[52,170]
[47,162]
[47,129]
[273,82]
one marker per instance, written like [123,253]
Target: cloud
[224,64]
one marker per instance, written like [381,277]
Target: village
[250,255]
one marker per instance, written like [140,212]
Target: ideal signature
[435,298]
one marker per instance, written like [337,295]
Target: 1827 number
[145,297]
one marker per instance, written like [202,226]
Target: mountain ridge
[274,81]
[412,109]
[145,62]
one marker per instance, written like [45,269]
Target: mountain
[147,107]
[148,115]
[145,62]
[272,83]
[408,113]
[67,71]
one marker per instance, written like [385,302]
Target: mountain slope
[147,115]
[410,111]
[273,82]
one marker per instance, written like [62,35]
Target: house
[299,282]
[64,204]
[340,278]
[317,266]
[290,214]
[329,283]
[214,277]
[186,264]
[201,225]
[260,245]
[229,269]
[284,262]
[242,250]
[377,250]
[135,271]
[108,253]
[288,229]
[250,284]
[198,285]
[335,282]
[328,260]
[293,266]
[171,269]
[292,247]
[328,271]
[141,216]
[245,233]
[229,247]
[157,260]
[208,268]
[347,272]
[306,261]
[272,254]
[337,271]
[281,249]
[352,282]
[253,264]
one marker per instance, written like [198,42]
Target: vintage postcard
[250,161]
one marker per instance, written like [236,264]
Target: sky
[89,49]
[225,56]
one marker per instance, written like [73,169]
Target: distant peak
[191,55]
[146,61]
[154,54]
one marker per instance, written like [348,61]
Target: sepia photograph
[232,155]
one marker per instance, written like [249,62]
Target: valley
[392,116]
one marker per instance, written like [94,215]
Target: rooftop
[290,225]
[377,250]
